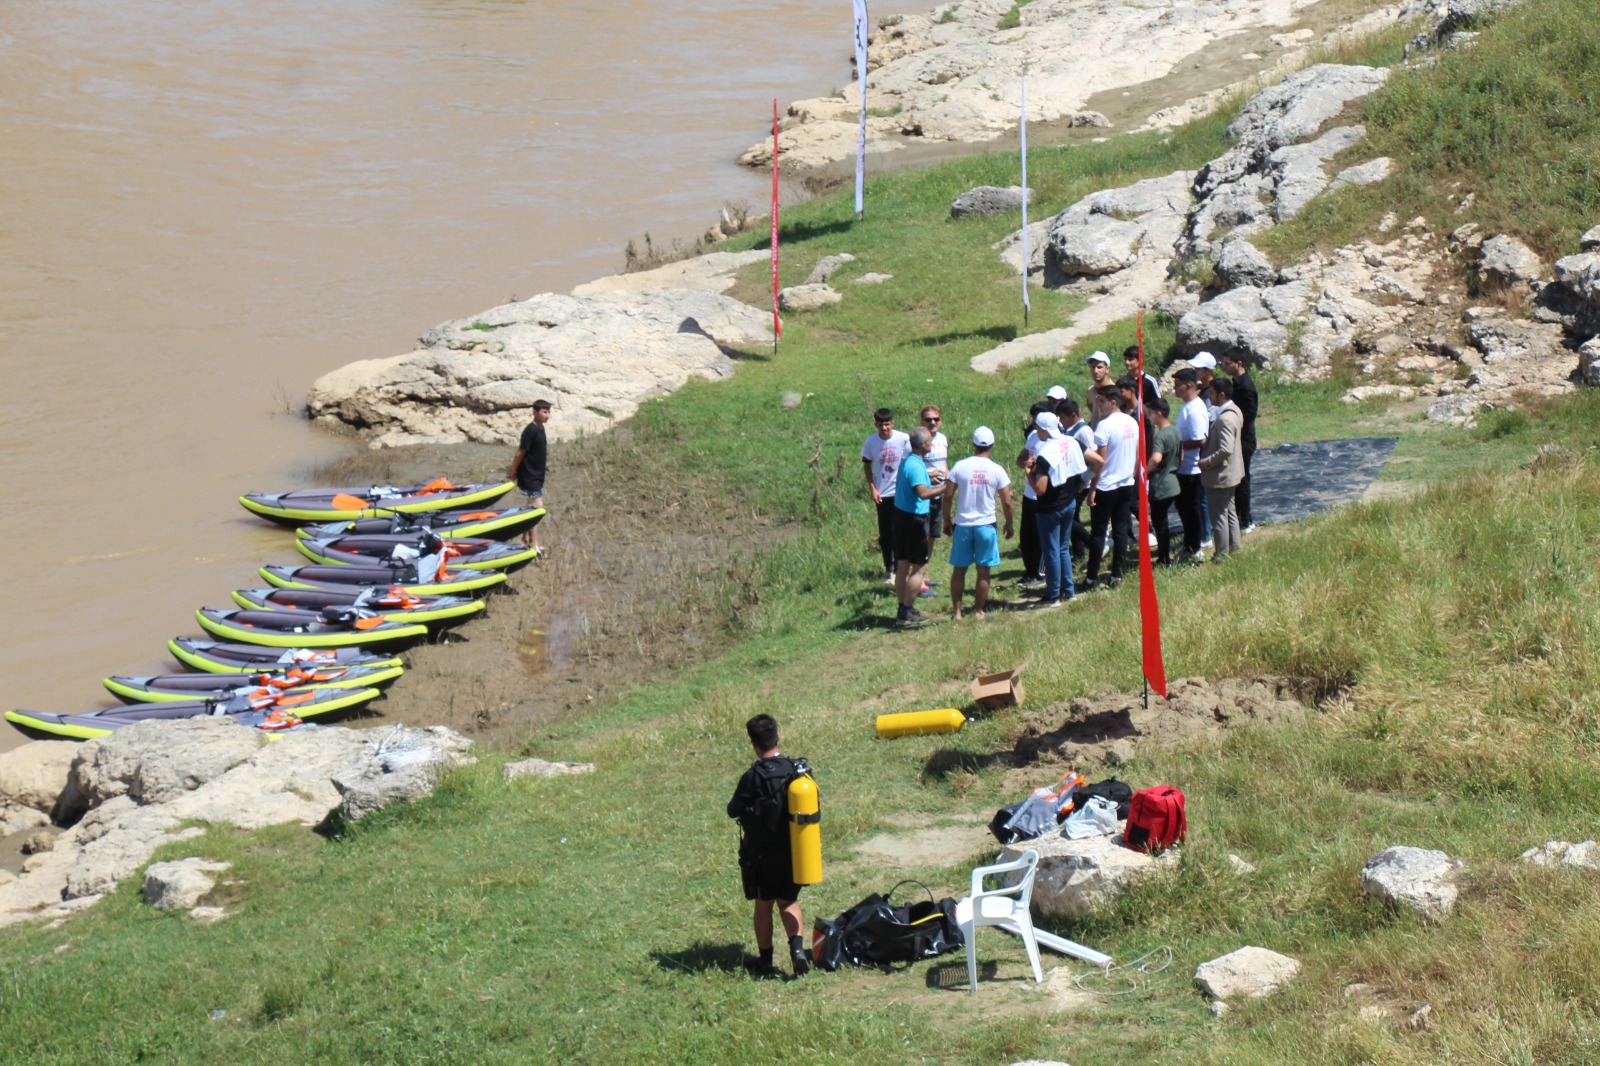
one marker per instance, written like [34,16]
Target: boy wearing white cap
[975,483]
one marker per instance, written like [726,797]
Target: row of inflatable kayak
[390,567]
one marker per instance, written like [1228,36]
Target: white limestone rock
[1368,173]
[807,297]
[38,775]
[1248,973]
[1418,879]
[1235,320]
[403,766]
[1241,264]
[541,768]
[1584,856]
[1507,261]
[182,883]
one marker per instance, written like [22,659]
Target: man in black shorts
[760,804]
[914,487]
[527,468]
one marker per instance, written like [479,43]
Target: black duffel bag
[876,932]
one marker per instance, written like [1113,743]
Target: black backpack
[765,819]
[1110,789]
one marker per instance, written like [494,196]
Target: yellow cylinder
[805,831]
[919,723]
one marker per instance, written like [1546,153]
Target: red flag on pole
[1155,671]
[777,323]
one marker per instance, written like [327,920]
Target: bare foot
[980,615]
[957,617]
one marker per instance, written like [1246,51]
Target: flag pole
[1152,664]
[1023,127]
[777,323]
[861,82]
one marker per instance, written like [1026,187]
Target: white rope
[1128,971]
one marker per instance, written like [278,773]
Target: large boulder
[1418,879]
[1241,265]
[1297,169]
[1507,261]
[1077,877]
[152,763]
[1236,321]
[1110,230]
[989,200]
[1589,362]
[38,775]
[807,297]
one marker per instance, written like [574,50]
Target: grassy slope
[598,918]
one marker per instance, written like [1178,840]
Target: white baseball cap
[1099,357]
[1055,392]
[1047,422]
[1203,361]
[982,437]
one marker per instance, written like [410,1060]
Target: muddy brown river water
[205,206]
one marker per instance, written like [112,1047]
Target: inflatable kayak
[345,505]
[368,548]
[394,604]
[333,576]
[332,628]
[172,688]
[495,525]
[282,711]
[217,658]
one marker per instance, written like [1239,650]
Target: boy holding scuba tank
[760,803]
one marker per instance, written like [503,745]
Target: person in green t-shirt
[1162,472]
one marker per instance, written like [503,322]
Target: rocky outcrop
[596,357]
[403,766]
[35,780]
[1417,879]
[951,75]
[1455,25]
[807,297]
[148,784]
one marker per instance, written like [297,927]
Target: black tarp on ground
[1297,480]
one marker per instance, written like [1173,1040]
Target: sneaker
[1111,581]
[912,619]
[1250,527]
[1088,584]
[1031,583]
[888,579]
[1045,605]
[926,592]
[800,961]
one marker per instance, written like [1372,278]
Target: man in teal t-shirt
[912,491]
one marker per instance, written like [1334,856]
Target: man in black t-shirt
[527,468]
[1248,401]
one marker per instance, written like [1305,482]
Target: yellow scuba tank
[805,827]
[918,723]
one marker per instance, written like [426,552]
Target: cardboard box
[994,691]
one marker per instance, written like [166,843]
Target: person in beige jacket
[1222,467]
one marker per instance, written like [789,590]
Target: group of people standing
[1201,463]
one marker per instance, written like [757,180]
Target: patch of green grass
[1013,17]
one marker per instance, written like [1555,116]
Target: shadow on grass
[993,333]
[804,231]
[702,958]
[944,762]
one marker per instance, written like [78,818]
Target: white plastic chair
[1001,906]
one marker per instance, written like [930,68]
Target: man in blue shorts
[975,483]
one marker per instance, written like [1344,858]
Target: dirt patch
[643,577]
[1107,729]
[940,845]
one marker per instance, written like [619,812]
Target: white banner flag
[1026,307]
[861,82]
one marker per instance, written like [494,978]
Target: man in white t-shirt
[1028,534]
[1205,369]
[1113,491]
[975,484]
[880,464]
[938,460]
[1193,425]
